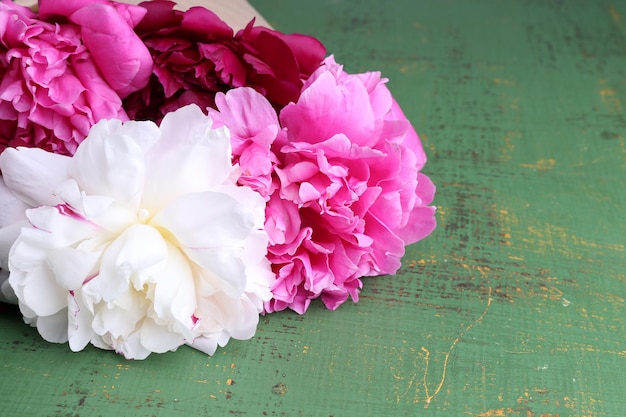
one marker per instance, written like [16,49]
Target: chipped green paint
[515,306]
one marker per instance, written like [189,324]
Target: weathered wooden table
[515,306]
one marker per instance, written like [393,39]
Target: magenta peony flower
[341,173]
[196,55]
[61,75]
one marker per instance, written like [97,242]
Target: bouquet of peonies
[166,180]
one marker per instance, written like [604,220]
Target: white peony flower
[141,241]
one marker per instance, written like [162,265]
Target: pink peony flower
[196,56]
[341,173]
[61,75]
[349,179]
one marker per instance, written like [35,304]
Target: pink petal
[120,54]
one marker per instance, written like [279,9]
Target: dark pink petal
[195,50]
[205,22]
[122,57]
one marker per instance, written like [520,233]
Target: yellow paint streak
[622,144]
[490,67]
[496,412]
[617,19]
[610,100]
[590,349]
[422,262]
[588,405]
[547,236]
[506,219]
[609,97]
[431,397]
[501,81]
[541,165]
[482,270]
[441,214]
[509,144]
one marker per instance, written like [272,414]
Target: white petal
[53,328]
[88,206]
[121,318]
[33,282]
[229,270]
[211,228]
[99,342]
[132,259]
[33,174]
[260,279]
[255,248]
[158,338]
[29,315]
[190,157]
[110,163]
[174,293]
[205,344]
[25,254]
[56,227]
[79,328]
[12,209]
[243,324]
[260,276]
[144,133]
[238,317]
[131,347]
[72,267]
[102,212]
[40,291]
[207,220]
[251,200]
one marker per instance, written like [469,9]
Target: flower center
[143,215]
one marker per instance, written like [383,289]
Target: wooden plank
[513,307]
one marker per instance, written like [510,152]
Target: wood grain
[515,306]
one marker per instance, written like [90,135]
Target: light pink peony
[253,125]
[341,173]
[61,75]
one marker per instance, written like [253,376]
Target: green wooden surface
[513,307]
